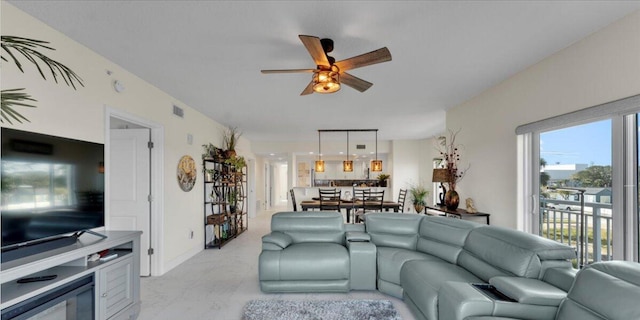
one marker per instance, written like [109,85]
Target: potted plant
[209,151]
[382,179]
[237,162]
[209,174]
[418,195]
[230,139]
[233,201]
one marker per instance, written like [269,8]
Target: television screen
[51,186]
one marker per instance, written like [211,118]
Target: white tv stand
[121,274]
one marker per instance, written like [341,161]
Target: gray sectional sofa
[443,268]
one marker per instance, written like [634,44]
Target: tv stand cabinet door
[115,288]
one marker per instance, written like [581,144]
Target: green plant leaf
[14,97]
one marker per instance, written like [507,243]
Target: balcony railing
[560,221]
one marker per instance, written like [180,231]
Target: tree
[544,177]
[594,176]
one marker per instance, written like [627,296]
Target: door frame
[157,181]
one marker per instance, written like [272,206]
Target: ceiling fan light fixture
[326,81]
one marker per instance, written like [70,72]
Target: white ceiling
[209,54]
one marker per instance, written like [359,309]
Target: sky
[589,144]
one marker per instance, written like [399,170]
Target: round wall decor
[186,173]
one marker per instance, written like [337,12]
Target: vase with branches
[450,152]
[14,47]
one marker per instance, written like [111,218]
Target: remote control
[109,257]
[35,279]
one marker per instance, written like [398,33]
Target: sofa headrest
[491,251]
[398,230]
[313,226]
[444,237]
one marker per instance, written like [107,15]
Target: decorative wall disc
[186,173]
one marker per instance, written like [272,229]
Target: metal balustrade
[561,224]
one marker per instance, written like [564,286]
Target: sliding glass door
[578,176]
[576,189]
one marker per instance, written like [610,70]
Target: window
[588,156]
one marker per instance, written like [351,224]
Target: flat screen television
[52,188]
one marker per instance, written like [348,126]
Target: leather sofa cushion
[443,237]
[421,280]
[399,230]
[529,291]
[306,261]
[315,226]
[491,251]
[390,261]
[608,290]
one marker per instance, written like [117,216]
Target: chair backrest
[402,196]
[359,195]
[373,200]
[293,200]
[603,290]
[329,199]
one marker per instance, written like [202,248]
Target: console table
[116,282]
[458,213]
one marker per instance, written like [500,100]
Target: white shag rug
[320,310]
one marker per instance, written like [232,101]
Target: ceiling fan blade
[289,71]
[308,89]
[373,57]
[355,82]
[314,46]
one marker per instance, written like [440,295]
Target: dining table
[348,206]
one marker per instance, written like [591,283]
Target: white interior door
[130,187]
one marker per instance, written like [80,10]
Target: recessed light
[272,154]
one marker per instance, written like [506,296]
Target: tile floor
[216,284]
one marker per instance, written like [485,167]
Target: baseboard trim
[181,258]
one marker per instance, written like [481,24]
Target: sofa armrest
[460,300]
[355,236]
[560,277]
[358,227]
[528,291]
[362,258]
[276,241]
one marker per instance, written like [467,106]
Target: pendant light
[376,165]
[347,166]
[319,163]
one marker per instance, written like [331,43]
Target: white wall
[600,68]
[80,114]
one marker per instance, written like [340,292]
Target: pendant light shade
[347,166]
[319,163]
[376,165]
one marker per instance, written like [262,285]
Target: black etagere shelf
[225,213]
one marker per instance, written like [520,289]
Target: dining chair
[401,199]
[293,200]
[370,201]
[329,200]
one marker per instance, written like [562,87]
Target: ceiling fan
[329,74]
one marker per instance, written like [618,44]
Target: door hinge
[150,251]
[150,144]
[149,198]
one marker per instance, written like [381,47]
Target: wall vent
[178,111]
[361,146]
